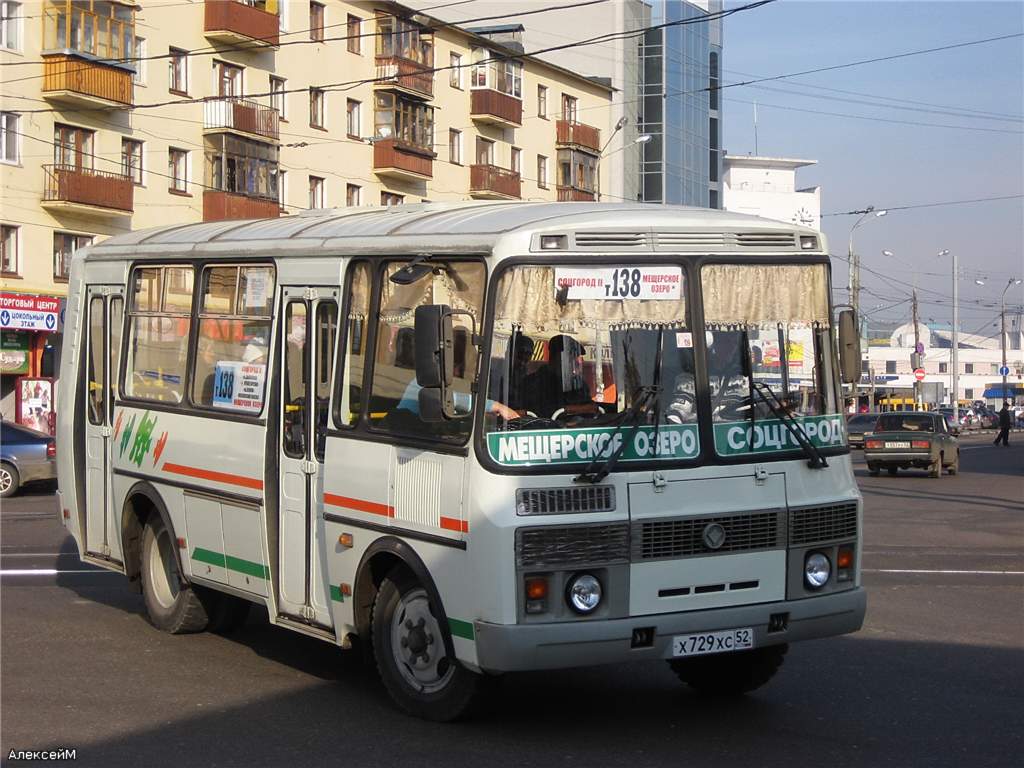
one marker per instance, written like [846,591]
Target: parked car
[858,425]
[967,420]
[905,439]
[989,418]
[25,455]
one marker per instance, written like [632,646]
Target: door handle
[309,467]
[106,431]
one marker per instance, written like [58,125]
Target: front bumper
[519,647]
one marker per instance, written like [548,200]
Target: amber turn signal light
[345,540]
[536,589]
[845,557]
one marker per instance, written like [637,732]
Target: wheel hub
[421,659]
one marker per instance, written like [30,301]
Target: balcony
[235,23]
[80,82]
[85,191]
[571,133]
[574,195]
[495,108]
[489,182]
[405,75]
[240,116]
[223,206]
[395,158]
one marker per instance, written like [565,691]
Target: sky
[886,164]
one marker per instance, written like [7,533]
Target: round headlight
[816,570]
[584,593]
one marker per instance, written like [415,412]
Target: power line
[929,205]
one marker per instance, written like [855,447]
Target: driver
[558,383]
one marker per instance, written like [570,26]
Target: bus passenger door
[309,329]
[105,307]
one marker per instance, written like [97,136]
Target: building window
[569,107]
[455,146]
[712,198]
[497,75]
[139,62]
[72,146]
[131,160]
[516,160]
[177,169]
[229,79]
[353,195]
[890,366]
[542,172]
[943,367]
[390,198]
[352,31]
[64,245]
[455,73]
[9,138]
[10,25]
[277,95]
[398,38]
[968,368]
[484,151]
[316,108]
[177,69]
[407,120]
[316,22]
[241,166]
[8,249]
[316,192]
[969,393]
[353,118]
[577,170]
[542,101]
[713,80]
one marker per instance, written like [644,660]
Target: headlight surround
[817,570]
[584,593]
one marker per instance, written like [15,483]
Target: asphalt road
[934,678]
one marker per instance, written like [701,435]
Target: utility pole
[854,283]
[1002,329]
[956,337]
[917,355]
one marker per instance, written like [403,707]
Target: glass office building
[681,163]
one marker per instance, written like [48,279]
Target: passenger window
[294,432]
[394,400]
[234,338]
[353,357]
[96,383]
[115,321]
[160,321]
[327,330]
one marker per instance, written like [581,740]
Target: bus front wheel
[172,606]
[411,654]
[730,674]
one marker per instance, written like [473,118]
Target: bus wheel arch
[142,501]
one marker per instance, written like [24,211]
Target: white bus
[480,437]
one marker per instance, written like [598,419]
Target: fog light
[816,570]
[584,593]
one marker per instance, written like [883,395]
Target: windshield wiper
[597,470]
[814,458]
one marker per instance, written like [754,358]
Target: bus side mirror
[435,362]
[849,347]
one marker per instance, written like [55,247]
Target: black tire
[10,480]
[171,607]
[430,686]
[892,470]
[873,470]
[730,674]
[227,613]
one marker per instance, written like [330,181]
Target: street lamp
[1002,328]
[854,280]
[955,376]
[643,138]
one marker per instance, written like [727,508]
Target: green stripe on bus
[336,594]
[248,567]
[460,628]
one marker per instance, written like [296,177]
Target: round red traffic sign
[919,374]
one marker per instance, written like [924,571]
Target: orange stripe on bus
[217,477]
[359,505]
[451,524]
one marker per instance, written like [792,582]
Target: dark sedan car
[25,455]
[905,439]
[859,425]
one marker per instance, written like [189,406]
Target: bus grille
[810,525]
[560,501]
[552,546]
[663,539]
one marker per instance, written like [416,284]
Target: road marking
[50,571]
[973,573]
[38,554]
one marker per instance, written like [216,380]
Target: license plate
[898,444]
[713,642]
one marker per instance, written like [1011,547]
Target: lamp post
[1002,328]
[955,376]
[854,279]
[643,138]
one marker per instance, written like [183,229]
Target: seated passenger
[508,374]
[559,383]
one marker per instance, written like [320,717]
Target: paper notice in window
[684,340]
[257,286]
[238,386]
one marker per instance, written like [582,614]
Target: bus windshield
[584,358]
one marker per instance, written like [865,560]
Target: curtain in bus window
[354,356]
[756,296]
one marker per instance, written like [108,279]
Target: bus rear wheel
[172,606]
[730,674]
[411,653]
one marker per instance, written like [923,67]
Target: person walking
[1005,421]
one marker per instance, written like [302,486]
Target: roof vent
[702,240]
[611,240]
[765,240]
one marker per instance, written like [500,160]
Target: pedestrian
[1004,426]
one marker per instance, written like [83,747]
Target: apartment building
[119,116]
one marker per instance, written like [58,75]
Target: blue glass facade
[680,163]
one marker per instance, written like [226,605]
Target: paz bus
[472,438]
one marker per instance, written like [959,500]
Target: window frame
[73,137]
[455,146]
[12,255]
[278,96]
[353,114]
[542,101]
[10,123]
[177,71]
[12,19]
[77,239]
[542,171]
[317,191]
[172,171]
[317,21]
[358,197]
[132,167]
[455,70]
[342,342]
[354,43]
[318,109]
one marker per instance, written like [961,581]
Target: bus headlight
[584,593]
[817,570]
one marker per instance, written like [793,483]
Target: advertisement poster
[238,386]
[13,352]
[29,313]
[35,403]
